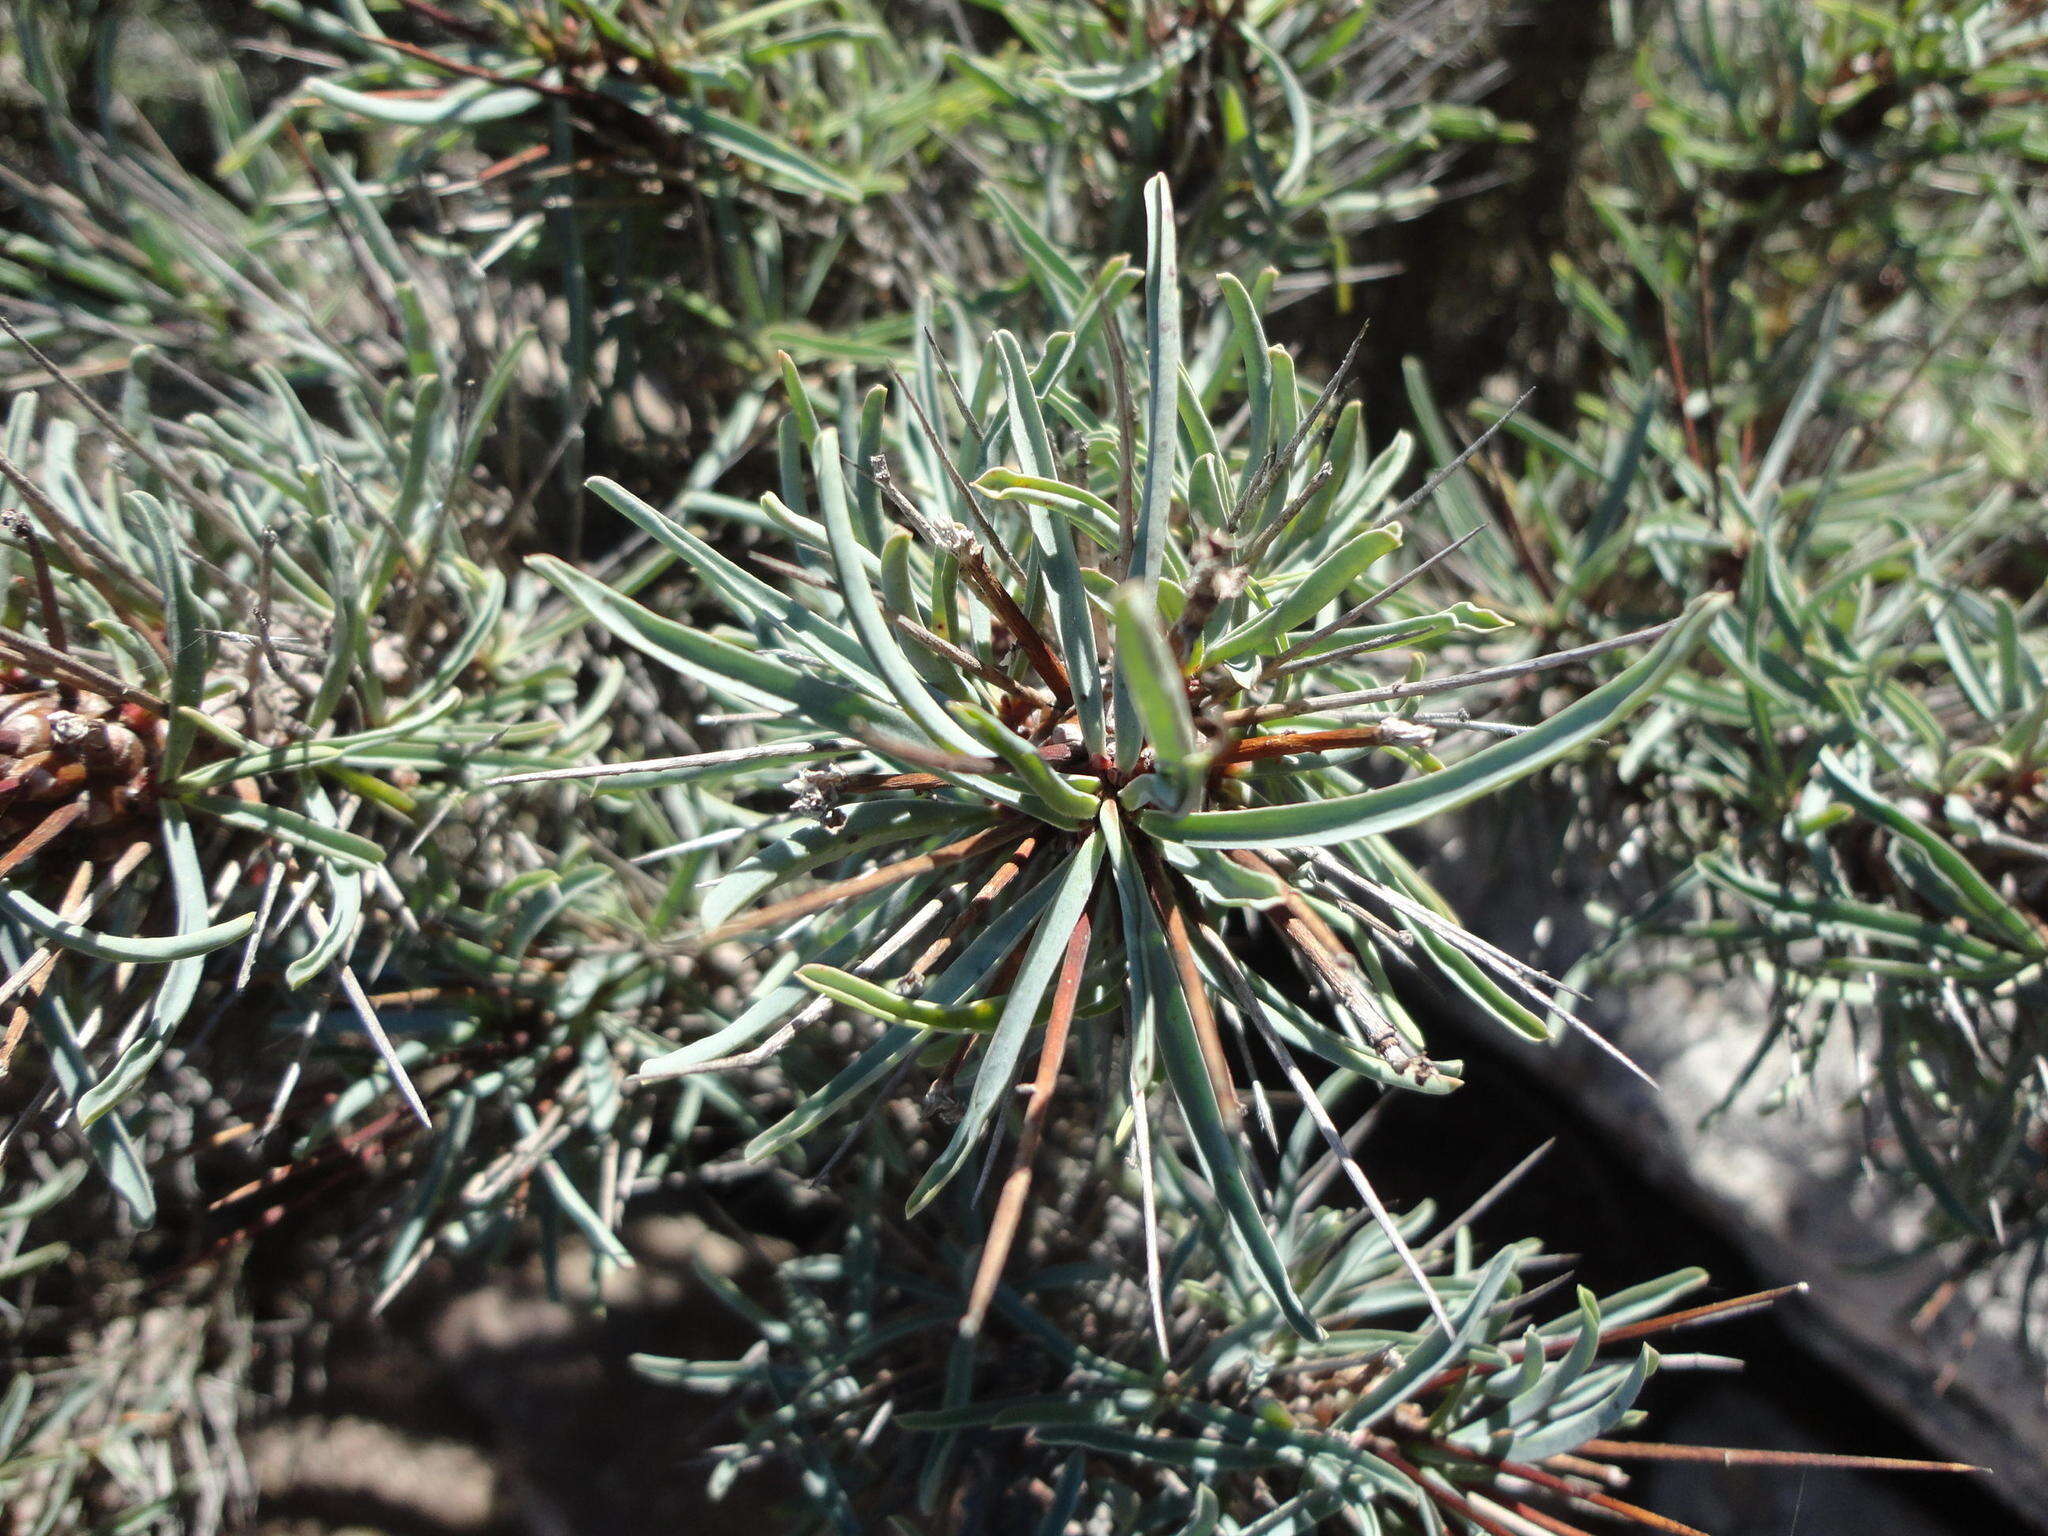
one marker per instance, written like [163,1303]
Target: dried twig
[862,884]
[1009,1212]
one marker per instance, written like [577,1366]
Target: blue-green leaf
[996,1073]
[1340,819]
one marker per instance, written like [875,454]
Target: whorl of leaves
[1091,680]
[1076,653]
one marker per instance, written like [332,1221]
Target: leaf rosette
[1072,656]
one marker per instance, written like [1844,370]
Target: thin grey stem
[1291,658]
[1331,702]
[781,751]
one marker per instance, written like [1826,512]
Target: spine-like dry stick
[1689,1317]
[1009,1212]
[861,885]
[1739,1456]
[1292,659]
[197,499]
[1452,1503]
[1550,1481]
[76,904]
[1323,703]
[1303,927]
[1181,947]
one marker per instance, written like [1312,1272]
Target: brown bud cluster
[60,745]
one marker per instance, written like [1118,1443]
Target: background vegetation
[464,458]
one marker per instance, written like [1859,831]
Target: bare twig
[727,756]
[1279,462]
[1330,702]
[1009,1212]
[1250,1008]
[29,981]
[1737,1456]
[87,553]
[18,524]
[374,1027]
[197,499]
[1303,927]
[77,672]
[863,884]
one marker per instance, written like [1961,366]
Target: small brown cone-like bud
[26,730]
[62,747]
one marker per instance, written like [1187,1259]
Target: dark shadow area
[1588,1199]
[1473,291]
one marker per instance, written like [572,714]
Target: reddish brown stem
[44,832]
[1181,947]
[888,784]
[937,759]
[453,23]
[861,885]
[1009,1213]
[974,566]
[973,913]
[1619,1508]
[46,589]
[79,674]
[1044,659]
[1675,361]
[1555,1484]
[1690,1317]
[517,160]
[1593,1471]
[1324,954]
[89,558]
[474,71]
[1463,1508]
[1547,1521]
[977,907]
[1288,743]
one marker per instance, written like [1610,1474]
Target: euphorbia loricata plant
[1072,657]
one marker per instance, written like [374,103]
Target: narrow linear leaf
[46,924]
[292,827]
[1155,991]
[1154,684]
[977,1017]
[460,106]
[1318,823]
[782,161]
[1071,799]
[1973,891]
[865,611]
[998,1067]
[1311,594]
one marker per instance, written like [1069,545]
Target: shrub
[679,199]
[1038,786]
[1815,241]
[328,825]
